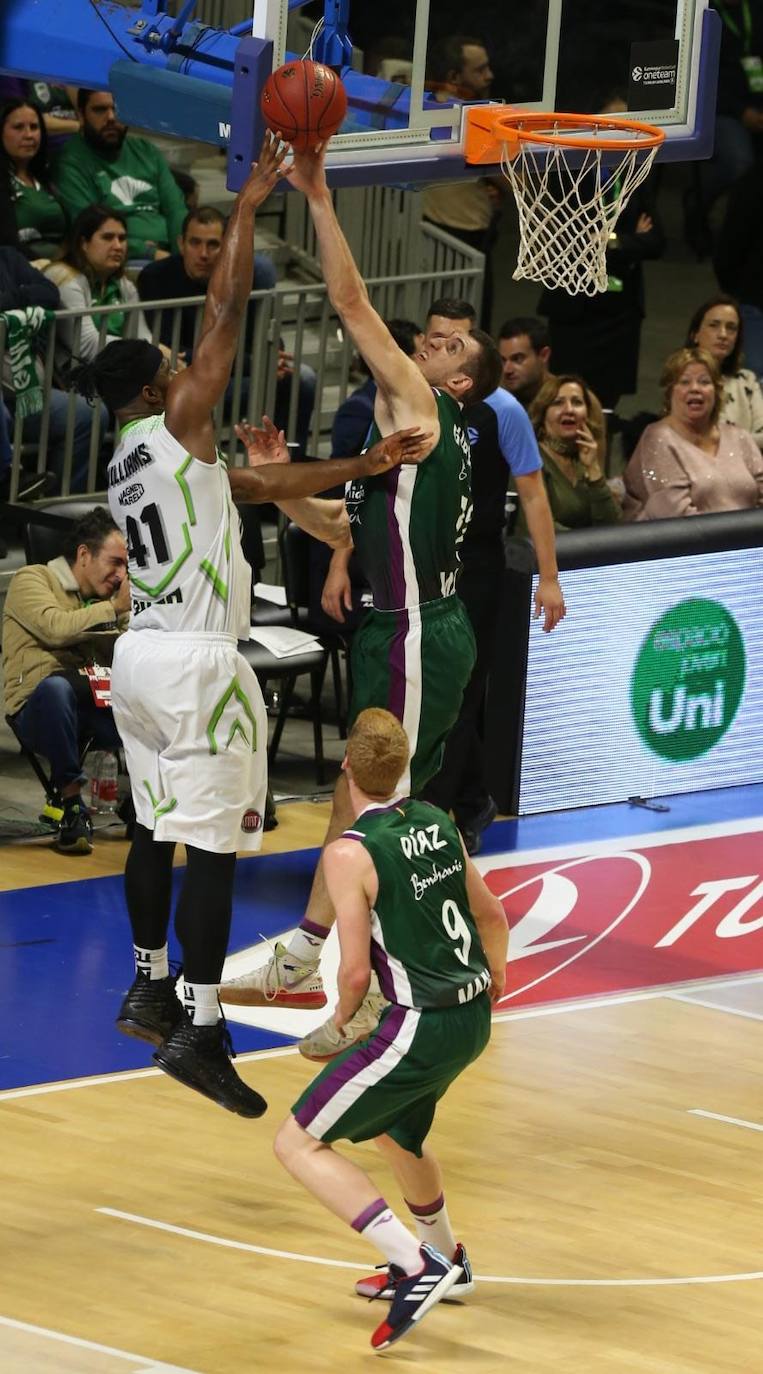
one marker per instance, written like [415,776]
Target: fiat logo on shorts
[251,822]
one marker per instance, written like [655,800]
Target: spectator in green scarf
[92,273]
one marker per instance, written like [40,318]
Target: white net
[567,212]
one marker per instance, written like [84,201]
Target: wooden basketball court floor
[603,1158]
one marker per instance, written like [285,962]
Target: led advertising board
[653,685]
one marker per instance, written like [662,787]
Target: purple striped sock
[427,1209]
[313,928]
[369,1214]
[433,1224]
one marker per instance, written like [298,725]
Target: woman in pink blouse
[692,463]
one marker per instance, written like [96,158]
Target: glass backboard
[408,79]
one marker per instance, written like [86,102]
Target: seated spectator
[104,164]
[22,287]
[187,274]
[568,422]
[91,273]
[57,104]
[524,346]
[40,216]
[60,617]
[692,463]
[717,328]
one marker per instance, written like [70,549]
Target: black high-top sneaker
[151,1008]
[200,1057]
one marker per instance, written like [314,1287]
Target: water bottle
[103,790]
[95,759]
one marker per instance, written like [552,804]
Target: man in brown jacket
[59,617]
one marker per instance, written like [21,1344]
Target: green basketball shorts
[415,663]
[391,1083]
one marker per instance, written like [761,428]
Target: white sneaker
[282,982]
[326,1042]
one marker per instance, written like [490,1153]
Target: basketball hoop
[568,205]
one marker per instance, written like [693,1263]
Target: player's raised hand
[265,171]
[263,446]
[404,446]
[307,170]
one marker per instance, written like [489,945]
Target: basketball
[305,102]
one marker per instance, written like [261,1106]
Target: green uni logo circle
[688,680]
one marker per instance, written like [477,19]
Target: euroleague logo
[561,915]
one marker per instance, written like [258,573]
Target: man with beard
[105,164]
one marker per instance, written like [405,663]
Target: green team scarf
[21,330]
[108,295]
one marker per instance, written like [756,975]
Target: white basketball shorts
[192,720]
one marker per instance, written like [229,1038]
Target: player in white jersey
[187,705]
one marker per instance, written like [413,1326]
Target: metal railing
[298,318]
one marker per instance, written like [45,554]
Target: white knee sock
[433,1225]
[380,1225]
[152,963]
[201,1003]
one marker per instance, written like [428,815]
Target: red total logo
[613,922]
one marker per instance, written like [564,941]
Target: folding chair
[53,809]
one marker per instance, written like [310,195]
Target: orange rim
[487,129]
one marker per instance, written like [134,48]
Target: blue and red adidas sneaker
[382,1284]
[415,1295]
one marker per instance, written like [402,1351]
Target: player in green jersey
[411,905]
[414,652]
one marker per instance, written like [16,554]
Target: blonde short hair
[678,361]
[377,752]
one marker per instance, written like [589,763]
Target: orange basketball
[305,102]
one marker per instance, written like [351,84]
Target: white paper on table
[282,640]
[268,592]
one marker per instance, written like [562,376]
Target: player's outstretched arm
[324,520]
[194,393]
[407,395]
[490,919]
[279,481]
[352,884]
